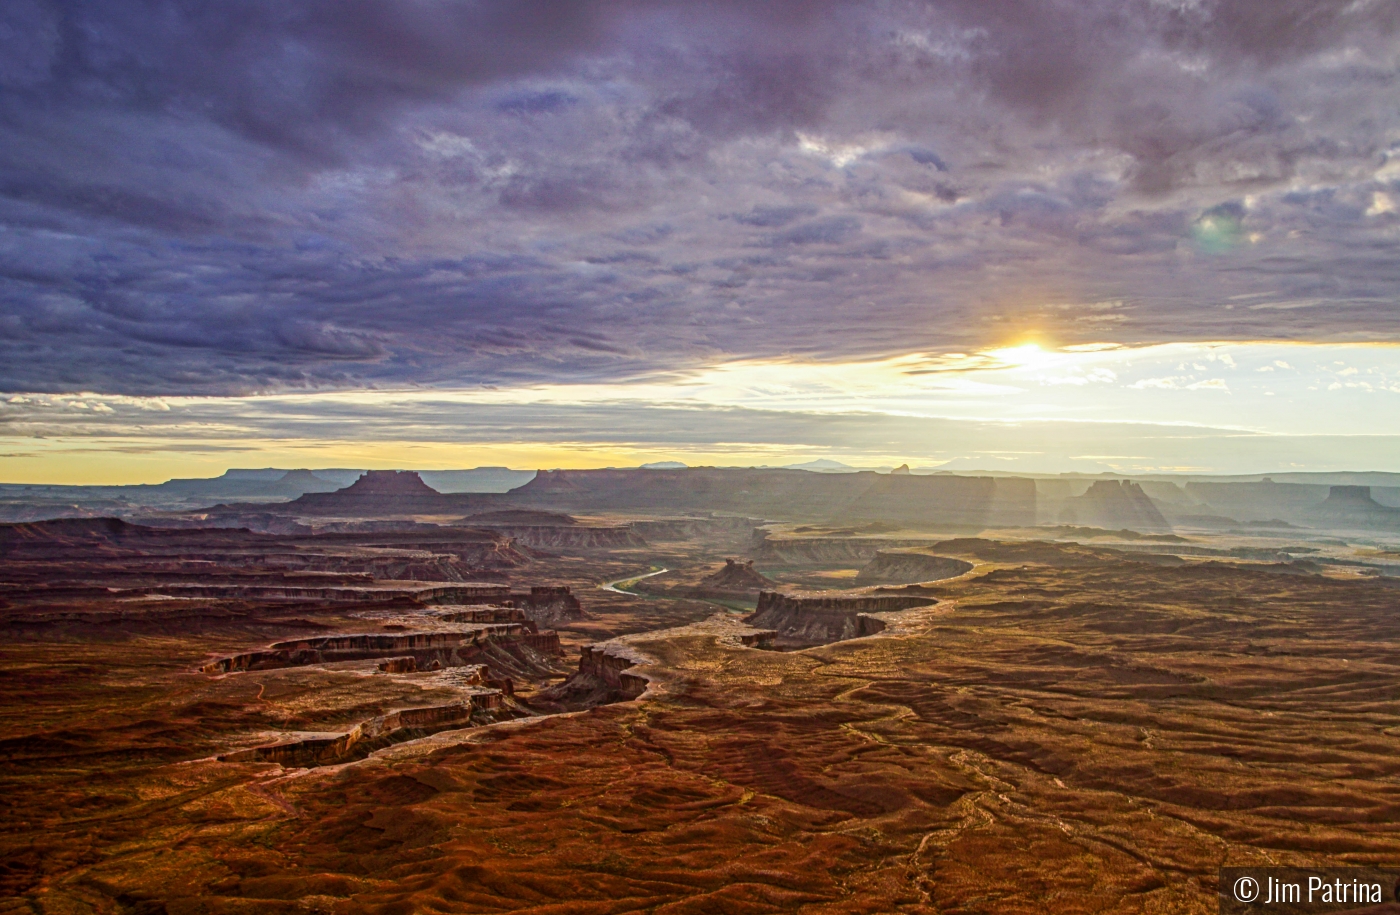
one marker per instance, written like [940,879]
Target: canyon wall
[608,665]
[549,604]
[820,618]
[904,568]
[530,650]
[825,550]
[480,707]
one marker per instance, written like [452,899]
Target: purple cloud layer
[210,198]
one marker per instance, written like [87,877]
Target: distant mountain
[665,465]
[823,465]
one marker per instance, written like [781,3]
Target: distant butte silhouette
[390,483]
[381,492]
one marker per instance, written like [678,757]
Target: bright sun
[1027,354]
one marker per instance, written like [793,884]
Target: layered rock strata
[604,676]
[817,619]
[494,643]
[824,550]
[903,568]
[482,706]
[610,665]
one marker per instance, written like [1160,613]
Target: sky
[1100,235]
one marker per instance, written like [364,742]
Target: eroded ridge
[604,676]
[476,707]
[447,649]
[804,619]
[899,567]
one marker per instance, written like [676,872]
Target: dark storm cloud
[203,197]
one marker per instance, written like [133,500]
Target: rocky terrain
[804,619]
[903,567]
[735,581]
[220,720]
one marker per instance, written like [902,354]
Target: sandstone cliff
[819,618]
[507,649]
[604,676]
[907,567]
[825,550]
[482,706]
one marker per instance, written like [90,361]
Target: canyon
[763,692]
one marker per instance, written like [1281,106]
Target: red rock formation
[508,646]
[608,664]
[736,576]
[546,642]
[817,619]
[479,708]
[488,614]
[603,677]
[907,567]
[735,580]
[548,604]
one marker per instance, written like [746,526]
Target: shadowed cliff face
[907,567]
[1114,504]
[1352,506]
[604,677]
[818,619]
[515,648]
[480,707]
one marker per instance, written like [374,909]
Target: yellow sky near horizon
[1210,407]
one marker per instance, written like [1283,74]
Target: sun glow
[1221,396]
[1027,355]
